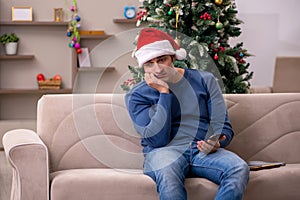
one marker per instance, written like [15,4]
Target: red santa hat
[153,43]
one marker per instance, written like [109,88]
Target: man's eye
[148,64]
[163,59]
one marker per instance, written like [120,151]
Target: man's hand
[156,83]
[210,146]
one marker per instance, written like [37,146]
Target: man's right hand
[156,83]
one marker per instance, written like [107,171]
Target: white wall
[271,28]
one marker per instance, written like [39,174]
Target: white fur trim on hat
[156,49]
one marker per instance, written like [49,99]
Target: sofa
[85,148]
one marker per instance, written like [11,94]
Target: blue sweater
[192,111]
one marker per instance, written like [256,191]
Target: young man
[183,121]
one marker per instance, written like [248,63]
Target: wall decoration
[58,14]
[73,27]
[21,13]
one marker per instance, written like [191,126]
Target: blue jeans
[169,166]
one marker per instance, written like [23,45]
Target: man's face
[162,67]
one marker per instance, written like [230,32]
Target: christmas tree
[209,24]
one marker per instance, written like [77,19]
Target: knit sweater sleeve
[219,120]
[151,118]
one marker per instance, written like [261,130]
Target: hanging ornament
[170,12]
[219,25]
[69,34]
[77,18]
[176,8]
[73,28]
[79,51]
[218,2]
[178,42]
[77,46]
[222,48]
[216,57]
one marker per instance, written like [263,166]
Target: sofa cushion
[276,184]
[113,184]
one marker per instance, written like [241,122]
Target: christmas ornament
[216,57]
[177,41]
[73,32]
[218,2]
[219,25]
[205,16]
[77,18]
[176,8]
[222,48]
[79,51]
[77,46]
[170,12]
[140,14]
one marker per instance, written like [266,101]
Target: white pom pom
[180,54]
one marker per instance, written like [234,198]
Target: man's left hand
[210,146]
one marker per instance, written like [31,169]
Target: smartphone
[214,138]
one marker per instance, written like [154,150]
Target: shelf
[88,69]
[33,23]
[124,20]
[34,91]
[105,36]
[16,57]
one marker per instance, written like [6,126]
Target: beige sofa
[85,148]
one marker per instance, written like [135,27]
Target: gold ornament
[176,8]
[177,41]
[219,25]
[218,2]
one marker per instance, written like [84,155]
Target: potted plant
[11,43]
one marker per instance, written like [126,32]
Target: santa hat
[153,43]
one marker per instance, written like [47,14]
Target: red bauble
[79,51]
[216,57]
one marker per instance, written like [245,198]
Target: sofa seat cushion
[94,184]
[276,184]
[113,184]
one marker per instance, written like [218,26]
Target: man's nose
[157,67]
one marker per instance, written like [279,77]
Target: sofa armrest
[28,156]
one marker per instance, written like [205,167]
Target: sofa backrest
[95,131]
[88,131]
[266,126]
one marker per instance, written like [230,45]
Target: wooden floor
[5,177]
